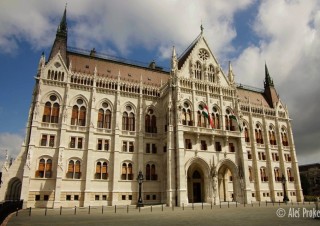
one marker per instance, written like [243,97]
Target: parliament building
[196,135]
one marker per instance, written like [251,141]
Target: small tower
[174,60]
[42,62]
[230,74]
[60,42]
[269,90]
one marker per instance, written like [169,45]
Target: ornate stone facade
[196,135]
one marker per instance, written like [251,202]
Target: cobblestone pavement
[155,215]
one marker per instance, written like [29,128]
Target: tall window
[277,174]
[188,144]
[250,174]
[272,136]
[215,118]
[287,157]
[74,169]
[211,73]
[290,175]
[101,170]
[103,145]
[79,111]
[76,142]
[51,110]
[47,140]
[127,146]
[128,119]
[275,156]
[202,120]
[151,172]
[186,115]
[44,168]
[127,173]
[104,116]
[246,132]
[204,145]
[263,174]
[150,122]
[284,137]
[198,71]
[229,119]
[218,146]
[231,147]
[258,133]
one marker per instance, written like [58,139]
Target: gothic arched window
[74,169]
[151,172]
[101,170]
[230,120]
[186,115]
[202,120]
[290,175]
[246,132]
[258,133]
[104,116]
[284,137]
[277,174]
[198,71]
[263,174]
[211,73]
[150,122]
[44,168]
[126,172]
[51,110]
[272,136]
[79,112]
[128,119]
[215,118]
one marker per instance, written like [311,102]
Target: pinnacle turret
[230,74]
[268,81]
[174,59]
[62,28]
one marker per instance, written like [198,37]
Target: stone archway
[197,180]
[196,185]
[229,182]
[14,189]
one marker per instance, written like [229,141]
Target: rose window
[203,54]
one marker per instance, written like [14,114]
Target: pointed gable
[198,56]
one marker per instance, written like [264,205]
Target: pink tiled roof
[109,68]
[256,98]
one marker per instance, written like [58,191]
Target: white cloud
[289,34]
[153,24]
[9,142]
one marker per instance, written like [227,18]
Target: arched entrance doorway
[228,182]
[14,189]
[196,185]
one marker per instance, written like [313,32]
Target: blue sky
[283,33]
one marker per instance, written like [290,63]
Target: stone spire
[60,42]
[62,28]
[269,89]
[268,81]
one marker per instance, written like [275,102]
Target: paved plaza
[158,215]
